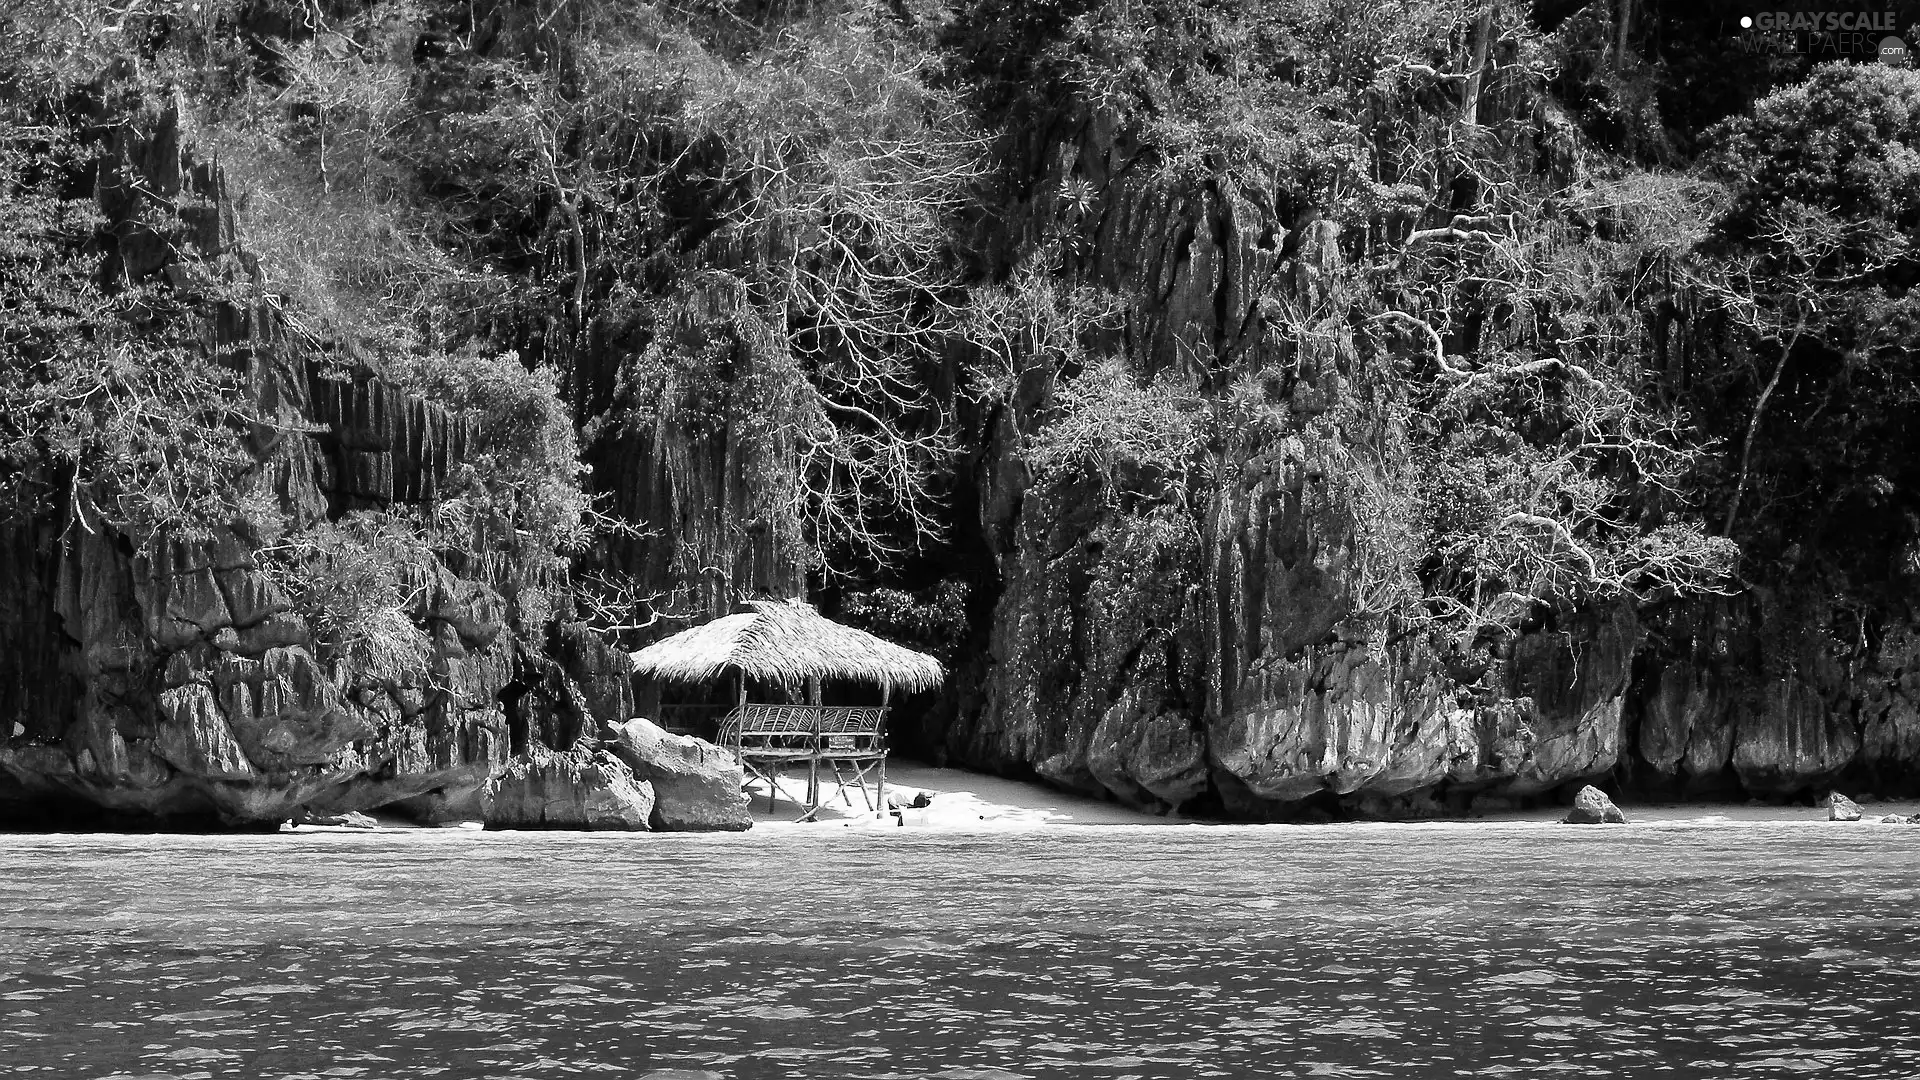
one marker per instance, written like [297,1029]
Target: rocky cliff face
[181,683]
[1206,659]
[1742,696]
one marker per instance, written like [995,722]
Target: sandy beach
[967,800]
[957,799]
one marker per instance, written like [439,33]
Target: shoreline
[964,801]
[968,801]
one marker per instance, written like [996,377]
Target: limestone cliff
[1205,657]
[1740,696]
[1207,660]
[180,681]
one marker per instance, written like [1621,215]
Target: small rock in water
[1592,807]
[1841,808]
[1896,819]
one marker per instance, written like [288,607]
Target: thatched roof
[785,642]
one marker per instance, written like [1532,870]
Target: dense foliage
[741,296]
[111,407]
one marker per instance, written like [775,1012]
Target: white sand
[968,800]
[960,800]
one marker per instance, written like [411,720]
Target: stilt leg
[860,771]
[840,783]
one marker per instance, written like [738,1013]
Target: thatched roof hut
[787,642]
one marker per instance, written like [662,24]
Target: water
[1112,953]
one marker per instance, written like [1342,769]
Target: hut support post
[740,716]
[819,745]
[880,789]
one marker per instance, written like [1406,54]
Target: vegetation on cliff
[1252,402]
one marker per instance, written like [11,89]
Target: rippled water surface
[1463,950]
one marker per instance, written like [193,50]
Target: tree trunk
[1622,28]
[1753,424]
[570,209]
[1479,44]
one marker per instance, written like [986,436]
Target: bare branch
[1439,348]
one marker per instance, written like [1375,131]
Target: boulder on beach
[1592,807]
[1896,819]
[697,786]
[577,789]
[1841,808]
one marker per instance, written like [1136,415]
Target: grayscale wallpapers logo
[1836,35]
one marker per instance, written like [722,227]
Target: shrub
[933,620]
[355,581]
[1135,439]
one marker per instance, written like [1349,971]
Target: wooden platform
[841,743]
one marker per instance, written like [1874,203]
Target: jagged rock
[251,598]
[352,819]
[604,674]
[93,602]
[445,806]
[1841,808]
[277,631]
[1145,750]
[475,612]
[1793,738]
[1572,683]
[179,596]
[1154,760]
[284,710]
[573,790]
[1592,807]
[471,679]
[193,735]
[1685,725]
[697,786]
[1162,656]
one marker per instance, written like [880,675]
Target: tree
[1810,268]
[1542,470]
